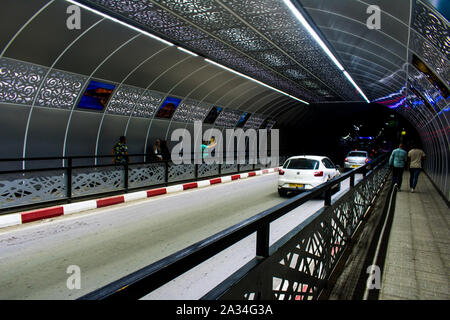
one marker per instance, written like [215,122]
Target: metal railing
[74,179]
[320,238]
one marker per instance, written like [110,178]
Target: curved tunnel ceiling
[258,38]
[270,63]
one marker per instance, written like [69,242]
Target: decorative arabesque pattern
[19,81]
[229,168]
[270,124]
[190,111]
[180,172]
[436,30]
[31,187]
[123,100]
[246,167]
[207,170]
[299,269]
[254,122]
[228,118]
[217,30]
[87,181]
[146,175]
[147,104]
[60,89]
[431,56]
[278,25]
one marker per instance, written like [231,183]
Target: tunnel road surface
[107,244]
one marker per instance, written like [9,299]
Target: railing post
[166,174]
[262,241]
[196,171]
[69,179]
[328,197]
[352,180]
[126,176]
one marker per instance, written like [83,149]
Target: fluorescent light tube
[252,79]
[120,22]
[187,51]
[311,31]
[356,86]
[319,41]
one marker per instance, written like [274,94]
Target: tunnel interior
[76,75]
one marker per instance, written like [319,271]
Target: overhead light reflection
[320,42]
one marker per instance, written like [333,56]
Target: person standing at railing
[165,150]
[415,158]
[120,151]
[397,161]
[157,150]
[205,146]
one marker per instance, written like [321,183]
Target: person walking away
[416,157]
[398,160]
[120,151]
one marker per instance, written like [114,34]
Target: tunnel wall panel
[13,121]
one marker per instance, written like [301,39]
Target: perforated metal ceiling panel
[261,39]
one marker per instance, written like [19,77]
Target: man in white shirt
[415,158]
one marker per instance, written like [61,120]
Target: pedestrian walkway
[417,265]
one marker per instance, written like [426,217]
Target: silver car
[356,159]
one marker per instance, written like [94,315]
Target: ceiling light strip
[120,22]
[187,51]
[257,81]
[356,86]
[320,42]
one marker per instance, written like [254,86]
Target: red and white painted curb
[46,213]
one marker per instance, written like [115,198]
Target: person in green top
[120,151]
[397,161]
[205,146]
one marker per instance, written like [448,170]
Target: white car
[305,172]
[356,159]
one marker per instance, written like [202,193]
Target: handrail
[383,237]
[65,167]
[141,282]
[87,157]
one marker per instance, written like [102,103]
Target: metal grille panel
[31,187]
[300,267]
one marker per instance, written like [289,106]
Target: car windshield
[306,164]
[357,154]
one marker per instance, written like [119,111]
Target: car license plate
[298,186]
[355,166]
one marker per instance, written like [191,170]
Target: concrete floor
[417,265]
